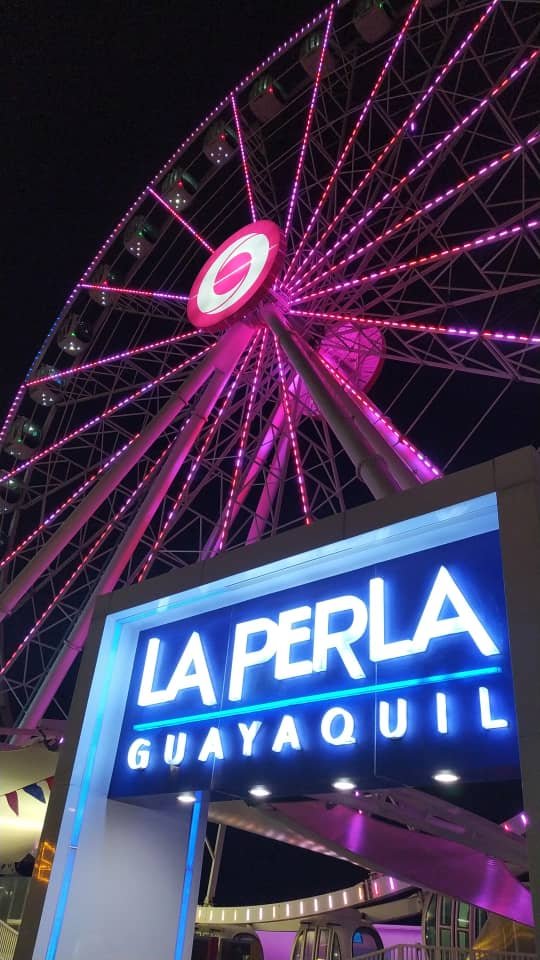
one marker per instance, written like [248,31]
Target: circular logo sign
[236,276]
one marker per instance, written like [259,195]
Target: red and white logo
[236,276]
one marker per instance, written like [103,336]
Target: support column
[370,466]
[216,855]
[220,357]
[519,524]
[270,489]
[251,474]
[126,548]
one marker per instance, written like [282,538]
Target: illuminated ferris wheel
[333,280]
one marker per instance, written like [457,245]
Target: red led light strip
[187,226]
[397,135]
[309,120]
[484,171]
[352,138]
[241,449]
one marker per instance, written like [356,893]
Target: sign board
[385,674]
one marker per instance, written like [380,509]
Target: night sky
[98,96]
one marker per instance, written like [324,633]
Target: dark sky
[98,95]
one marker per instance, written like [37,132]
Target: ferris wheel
[328,294]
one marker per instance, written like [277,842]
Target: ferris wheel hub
[237,276]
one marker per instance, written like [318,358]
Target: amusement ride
[328,294]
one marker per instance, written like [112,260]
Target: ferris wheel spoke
[133,292]
[172,514]
[181,220]
[475,357]
[225,520]
[437,150]
[427,260]
[309,120]
[264,447]
[351,139]
[394,139]
[243,157]
[416,462]
[484,171]
[293,439]
[108,413]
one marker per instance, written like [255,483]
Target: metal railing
[8,941]
[412,951]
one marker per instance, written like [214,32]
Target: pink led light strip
[397,135]
[493,236]
[238,464]
[411,327]
[87,557]
[486,170]
[187,226]
[354,133]
[106,413]
[292,436]
[155,294]
[63,506]
[243,156]
[114,357]
[309,121]
[195,466]
[376,416]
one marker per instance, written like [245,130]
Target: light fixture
[343,784]
[260,792]
[446,776]
[187,797]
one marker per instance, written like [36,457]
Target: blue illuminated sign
[385,674]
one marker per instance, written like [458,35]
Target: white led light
[259,791]
[186,797]
[446,776]
[343,784]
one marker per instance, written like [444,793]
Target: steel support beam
[371,466]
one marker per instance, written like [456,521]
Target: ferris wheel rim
[289,395]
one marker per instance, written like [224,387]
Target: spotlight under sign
[384,674]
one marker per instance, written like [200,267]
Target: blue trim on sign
[56,927]
[318,698]
[188,877]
